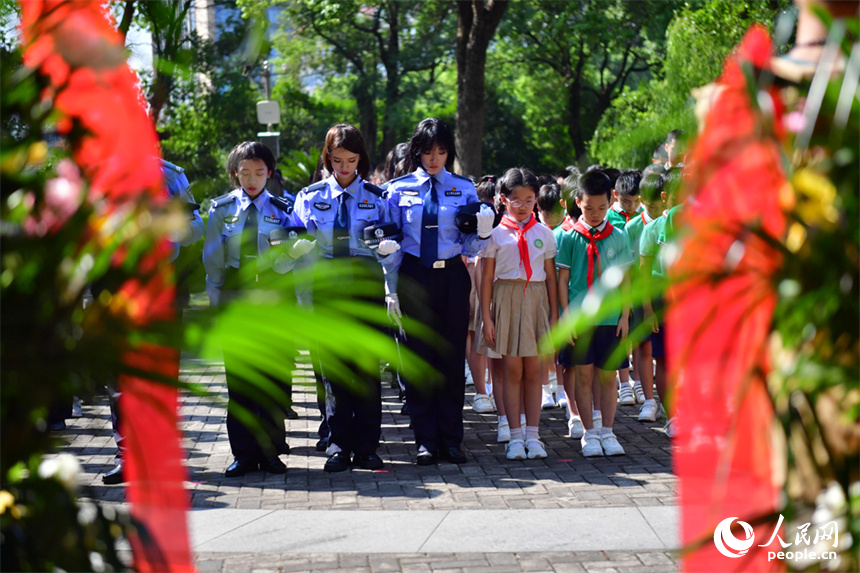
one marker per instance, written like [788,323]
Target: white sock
[596,414]
[522,419]
[503,420]
[595,432]
[516,434]
[605,431]
[532,433]
[651,401]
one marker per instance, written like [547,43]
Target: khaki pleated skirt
[521,319]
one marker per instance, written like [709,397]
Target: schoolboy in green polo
[586,254]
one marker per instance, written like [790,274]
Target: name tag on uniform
[453,193]
[322,206]
[409,192]
[231,219]
[274,220]
[367,206]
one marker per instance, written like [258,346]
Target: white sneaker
[625,394]
[522,420]
[561,397]
[482,404]
[547,401]
[639,392]
[671,428]
[553,379]
[516,450]
[591,447]
[536,449]
[596,420]
[610,445]
[504,433]
[77,411]
[648,412]
[575,428]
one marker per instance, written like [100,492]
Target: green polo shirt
[650,243]
[617,219]
[573,255]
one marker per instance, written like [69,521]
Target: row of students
[424,277]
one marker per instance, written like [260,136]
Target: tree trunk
[390,59]
[476,24]
[363,92]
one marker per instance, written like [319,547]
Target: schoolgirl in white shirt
[519,278]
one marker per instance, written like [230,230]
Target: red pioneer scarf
[567,224]
[522,244]
[644,220]
[593,253]
[627,216]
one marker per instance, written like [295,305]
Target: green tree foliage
[593,49]
[376,45]
[697,42]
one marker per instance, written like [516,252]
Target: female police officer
[336,211]
[435,283]
[236,257]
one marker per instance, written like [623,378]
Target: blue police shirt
[178,187]
[406,203]
[223,243]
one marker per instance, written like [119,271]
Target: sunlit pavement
[563,513]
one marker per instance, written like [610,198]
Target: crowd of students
[489,268]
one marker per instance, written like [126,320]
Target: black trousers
[439,299]
[355,418]
[267,411]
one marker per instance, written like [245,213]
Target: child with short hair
[519,279]
[654,274]
[650,189]
[626,196]
[625,208]
[551,212]
[587,252]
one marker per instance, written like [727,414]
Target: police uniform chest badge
[379,233]
[293,235]
[538,243]
[610,252]
[231,219]
[322,206]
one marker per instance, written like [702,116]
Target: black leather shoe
[368,461]
[238,469]
[322,444]
[114,476]
[404,410]
[425,459]
[339,462]
[273,466]
[291,414]
[454,455]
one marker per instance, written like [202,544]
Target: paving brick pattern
[561,562]
[565,479]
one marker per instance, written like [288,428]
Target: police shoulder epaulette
[463,178]
[168,165]
[223,200]
[374,189]
[283,203]
[314,187]
[407,175]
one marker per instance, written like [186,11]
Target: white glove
[387,247]
[301,248]
[392,305]
[485,221]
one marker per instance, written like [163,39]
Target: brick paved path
[565,480]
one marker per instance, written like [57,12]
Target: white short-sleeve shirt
[503,247]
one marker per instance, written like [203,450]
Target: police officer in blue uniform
[336,211]
[177,188]
[435,284]
[237,258]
